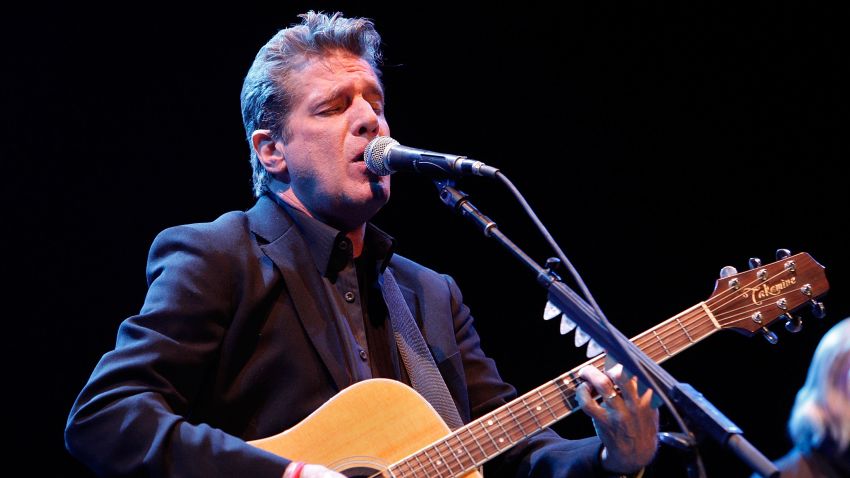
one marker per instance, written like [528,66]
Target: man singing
[253,321]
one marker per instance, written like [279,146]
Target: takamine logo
[764,291]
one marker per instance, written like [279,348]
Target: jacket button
[349,296]
[363,355]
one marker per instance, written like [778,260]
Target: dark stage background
[659,141]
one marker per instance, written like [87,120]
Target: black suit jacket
[233,343]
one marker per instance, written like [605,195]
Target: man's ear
[270,152]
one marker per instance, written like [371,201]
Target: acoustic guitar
[384,428]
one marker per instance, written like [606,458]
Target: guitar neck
[496,432]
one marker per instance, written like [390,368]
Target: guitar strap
[420,366]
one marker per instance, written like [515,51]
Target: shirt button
[343,244]
[349,296]
[363,355]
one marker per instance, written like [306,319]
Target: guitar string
[734,293]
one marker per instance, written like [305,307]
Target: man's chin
[353,213]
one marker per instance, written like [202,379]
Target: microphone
[384,156]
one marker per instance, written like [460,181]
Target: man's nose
[366,122]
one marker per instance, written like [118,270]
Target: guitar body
[362,430]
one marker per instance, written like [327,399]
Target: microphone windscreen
[375,153]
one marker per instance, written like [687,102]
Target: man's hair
[822,407]
[267,92]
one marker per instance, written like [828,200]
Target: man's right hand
[311,471]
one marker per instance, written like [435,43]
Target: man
[253,321]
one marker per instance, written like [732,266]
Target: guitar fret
[431,461]
[483,453]
[452,453]
[418,462]
[508,435]
[531,412]
[569,400]
[396,470]
[487,432]
[548,406]
[691,340]
[410,467]
[519,425]
[442,460]
[662,343]
[464,448]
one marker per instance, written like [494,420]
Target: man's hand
[625,421]
[311,471]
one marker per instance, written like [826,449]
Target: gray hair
[267,97]
[822,407]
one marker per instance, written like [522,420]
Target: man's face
[338,109]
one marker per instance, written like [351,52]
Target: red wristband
[296,473]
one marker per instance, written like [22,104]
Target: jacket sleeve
[131,418]
[543,455]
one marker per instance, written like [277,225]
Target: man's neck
[356,235]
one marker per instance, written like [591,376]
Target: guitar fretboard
[494,433]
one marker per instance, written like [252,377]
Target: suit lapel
[291,256]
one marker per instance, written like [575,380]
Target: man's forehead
[318,77]
[329,68]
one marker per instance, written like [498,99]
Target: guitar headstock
[748,302]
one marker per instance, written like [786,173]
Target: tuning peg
[818,309]
[754,262]
[793,324]
[782,254]
[728,271]
[769,336]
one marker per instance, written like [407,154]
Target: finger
[589,405]
[598,381]
[627,384]
[648,399]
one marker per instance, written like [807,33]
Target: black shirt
[352,288]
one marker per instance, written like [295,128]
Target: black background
[659,141]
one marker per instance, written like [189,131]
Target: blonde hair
[822,407]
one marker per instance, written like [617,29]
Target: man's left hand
[625,421]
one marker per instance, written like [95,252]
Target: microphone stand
[698,411]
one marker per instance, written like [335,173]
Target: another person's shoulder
[793,464]
[796,464]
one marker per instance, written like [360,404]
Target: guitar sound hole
[363,472]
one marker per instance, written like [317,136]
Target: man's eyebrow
[376,90]
[320,98]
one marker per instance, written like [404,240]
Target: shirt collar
[330,248]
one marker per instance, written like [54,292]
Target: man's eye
[330,111]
